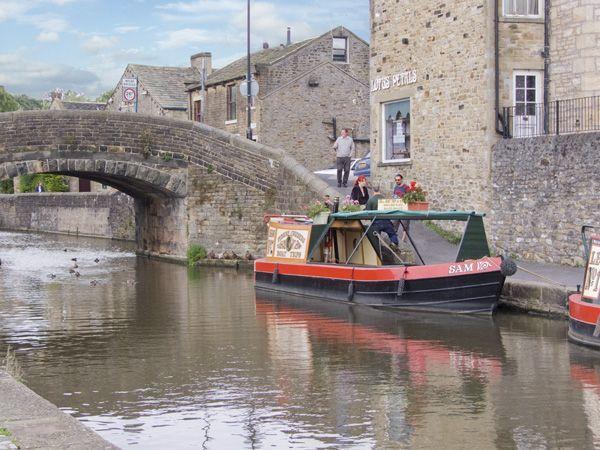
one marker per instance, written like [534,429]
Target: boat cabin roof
[397,214]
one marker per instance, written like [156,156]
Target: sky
[85,45]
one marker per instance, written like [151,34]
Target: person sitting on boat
[380,225]
[360,192]
[400,188]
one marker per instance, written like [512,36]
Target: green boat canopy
[398,214]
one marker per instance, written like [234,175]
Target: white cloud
[19,73]
[186,37]
[47,36]
[127,29]
[203,6]
[97,43]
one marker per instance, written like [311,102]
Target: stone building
[308,91]
[443,72]
[160,91]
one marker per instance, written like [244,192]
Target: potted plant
[349,205]
[318,212]
[416,198]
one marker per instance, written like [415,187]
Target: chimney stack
[56,94]
[289,36]
[201,61]
[265,45]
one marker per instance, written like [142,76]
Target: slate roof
[238,68]
[83,106]
[166,85]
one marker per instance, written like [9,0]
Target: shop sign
[591,283]
[392,81]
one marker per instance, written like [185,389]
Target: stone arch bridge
[191,183]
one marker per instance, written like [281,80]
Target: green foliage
[51,183]
[27,103]
[167,157]
[72,96]
[11,365]
[195,253]
[4,432]
[103,98]
[316,208]
[7,102]
[414,194]
[7,187]
[451,236]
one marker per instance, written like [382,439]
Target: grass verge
[451,236]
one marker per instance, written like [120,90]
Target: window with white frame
[396,131]
[340,49]
[523,8]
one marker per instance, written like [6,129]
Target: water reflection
[159,357]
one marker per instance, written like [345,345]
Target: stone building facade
[160,91]
[304,89]
[442,73]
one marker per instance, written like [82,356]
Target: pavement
[35,423]
[435,249]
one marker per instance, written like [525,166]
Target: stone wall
[574,49]
[87,214]
[544,190]
[450,46]
[520,45]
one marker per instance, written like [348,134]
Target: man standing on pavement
[344,150]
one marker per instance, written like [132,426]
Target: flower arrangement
[414,193]
[316,208]
[349,205]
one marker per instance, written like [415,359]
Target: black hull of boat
[466,294]
[583,334]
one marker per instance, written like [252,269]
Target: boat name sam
[475,266]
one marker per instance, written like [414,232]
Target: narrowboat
[347,260]
[584,305]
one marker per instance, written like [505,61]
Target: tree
[105,96]
[28,103]
[7,102]
[7,187]
[51,183]
[72,96]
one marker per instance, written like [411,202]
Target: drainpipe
[546,55]
[497,68]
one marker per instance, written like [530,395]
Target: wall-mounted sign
[591,282]
[392,81]
[129,83]
[129,94]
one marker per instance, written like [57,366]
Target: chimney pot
[265,45]
[289,36]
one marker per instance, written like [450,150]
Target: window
[231,102]
[396,130]
[340,49]
[523,8]
[198,111]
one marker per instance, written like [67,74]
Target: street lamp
[248,81]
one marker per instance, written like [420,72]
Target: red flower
[413,184]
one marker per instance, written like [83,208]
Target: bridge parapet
[191,182]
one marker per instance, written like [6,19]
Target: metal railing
[576,115]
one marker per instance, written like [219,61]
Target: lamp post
[248,80]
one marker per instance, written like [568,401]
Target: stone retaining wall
[87,214]
[544,190]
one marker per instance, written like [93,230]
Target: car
[363,166]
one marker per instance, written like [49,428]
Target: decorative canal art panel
[591,283]
[288,242]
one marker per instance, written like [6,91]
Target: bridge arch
[191,183]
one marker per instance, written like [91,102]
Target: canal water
[153,356]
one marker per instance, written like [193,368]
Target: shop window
[396,130]
[198,111]
[231,102]
[340,49]
[523,8]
